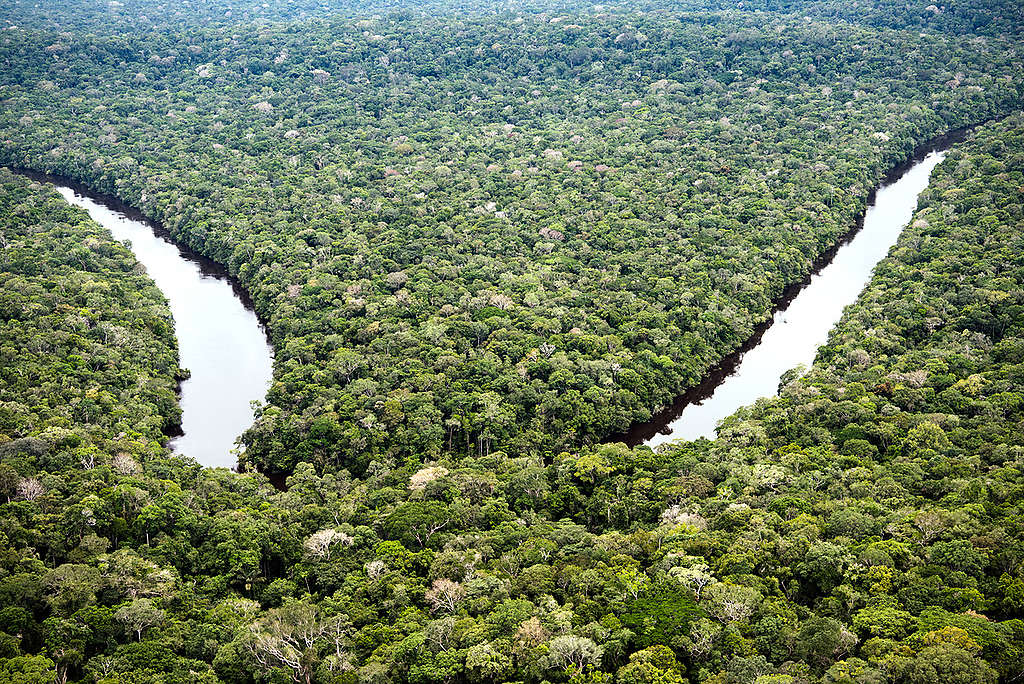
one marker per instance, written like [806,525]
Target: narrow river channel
[225,347]
[220,340]
[800,326]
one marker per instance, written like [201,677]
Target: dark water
[802,322]
[220,339]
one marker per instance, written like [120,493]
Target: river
[225,347]
[220,339]
[804,318]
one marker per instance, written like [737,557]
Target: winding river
[220,339]
[804,317]
[225,347]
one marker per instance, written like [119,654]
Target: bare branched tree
[297,638]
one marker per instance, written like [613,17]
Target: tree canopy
[483,242]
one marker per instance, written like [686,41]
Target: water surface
[225,347]
[220,340]
[800,326]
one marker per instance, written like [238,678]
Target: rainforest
[483,246]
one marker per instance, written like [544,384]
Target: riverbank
[222,343]
[660,427]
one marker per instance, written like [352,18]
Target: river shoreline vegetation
[483,241]
[458,231]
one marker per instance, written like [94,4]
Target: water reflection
[220,339]
[800,326]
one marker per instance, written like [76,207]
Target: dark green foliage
[86,340]
[662,614]
[442,369]
[475,232]
[772,552]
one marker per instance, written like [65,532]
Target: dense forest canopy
[87,340]
[483,240]
[862,527]
[983,17]
[522,232]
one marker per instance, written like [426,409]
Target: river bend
[225,347]
[802,323]
[220,340]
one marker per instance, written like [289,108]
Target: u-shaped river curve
[220,339]
[225,347]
